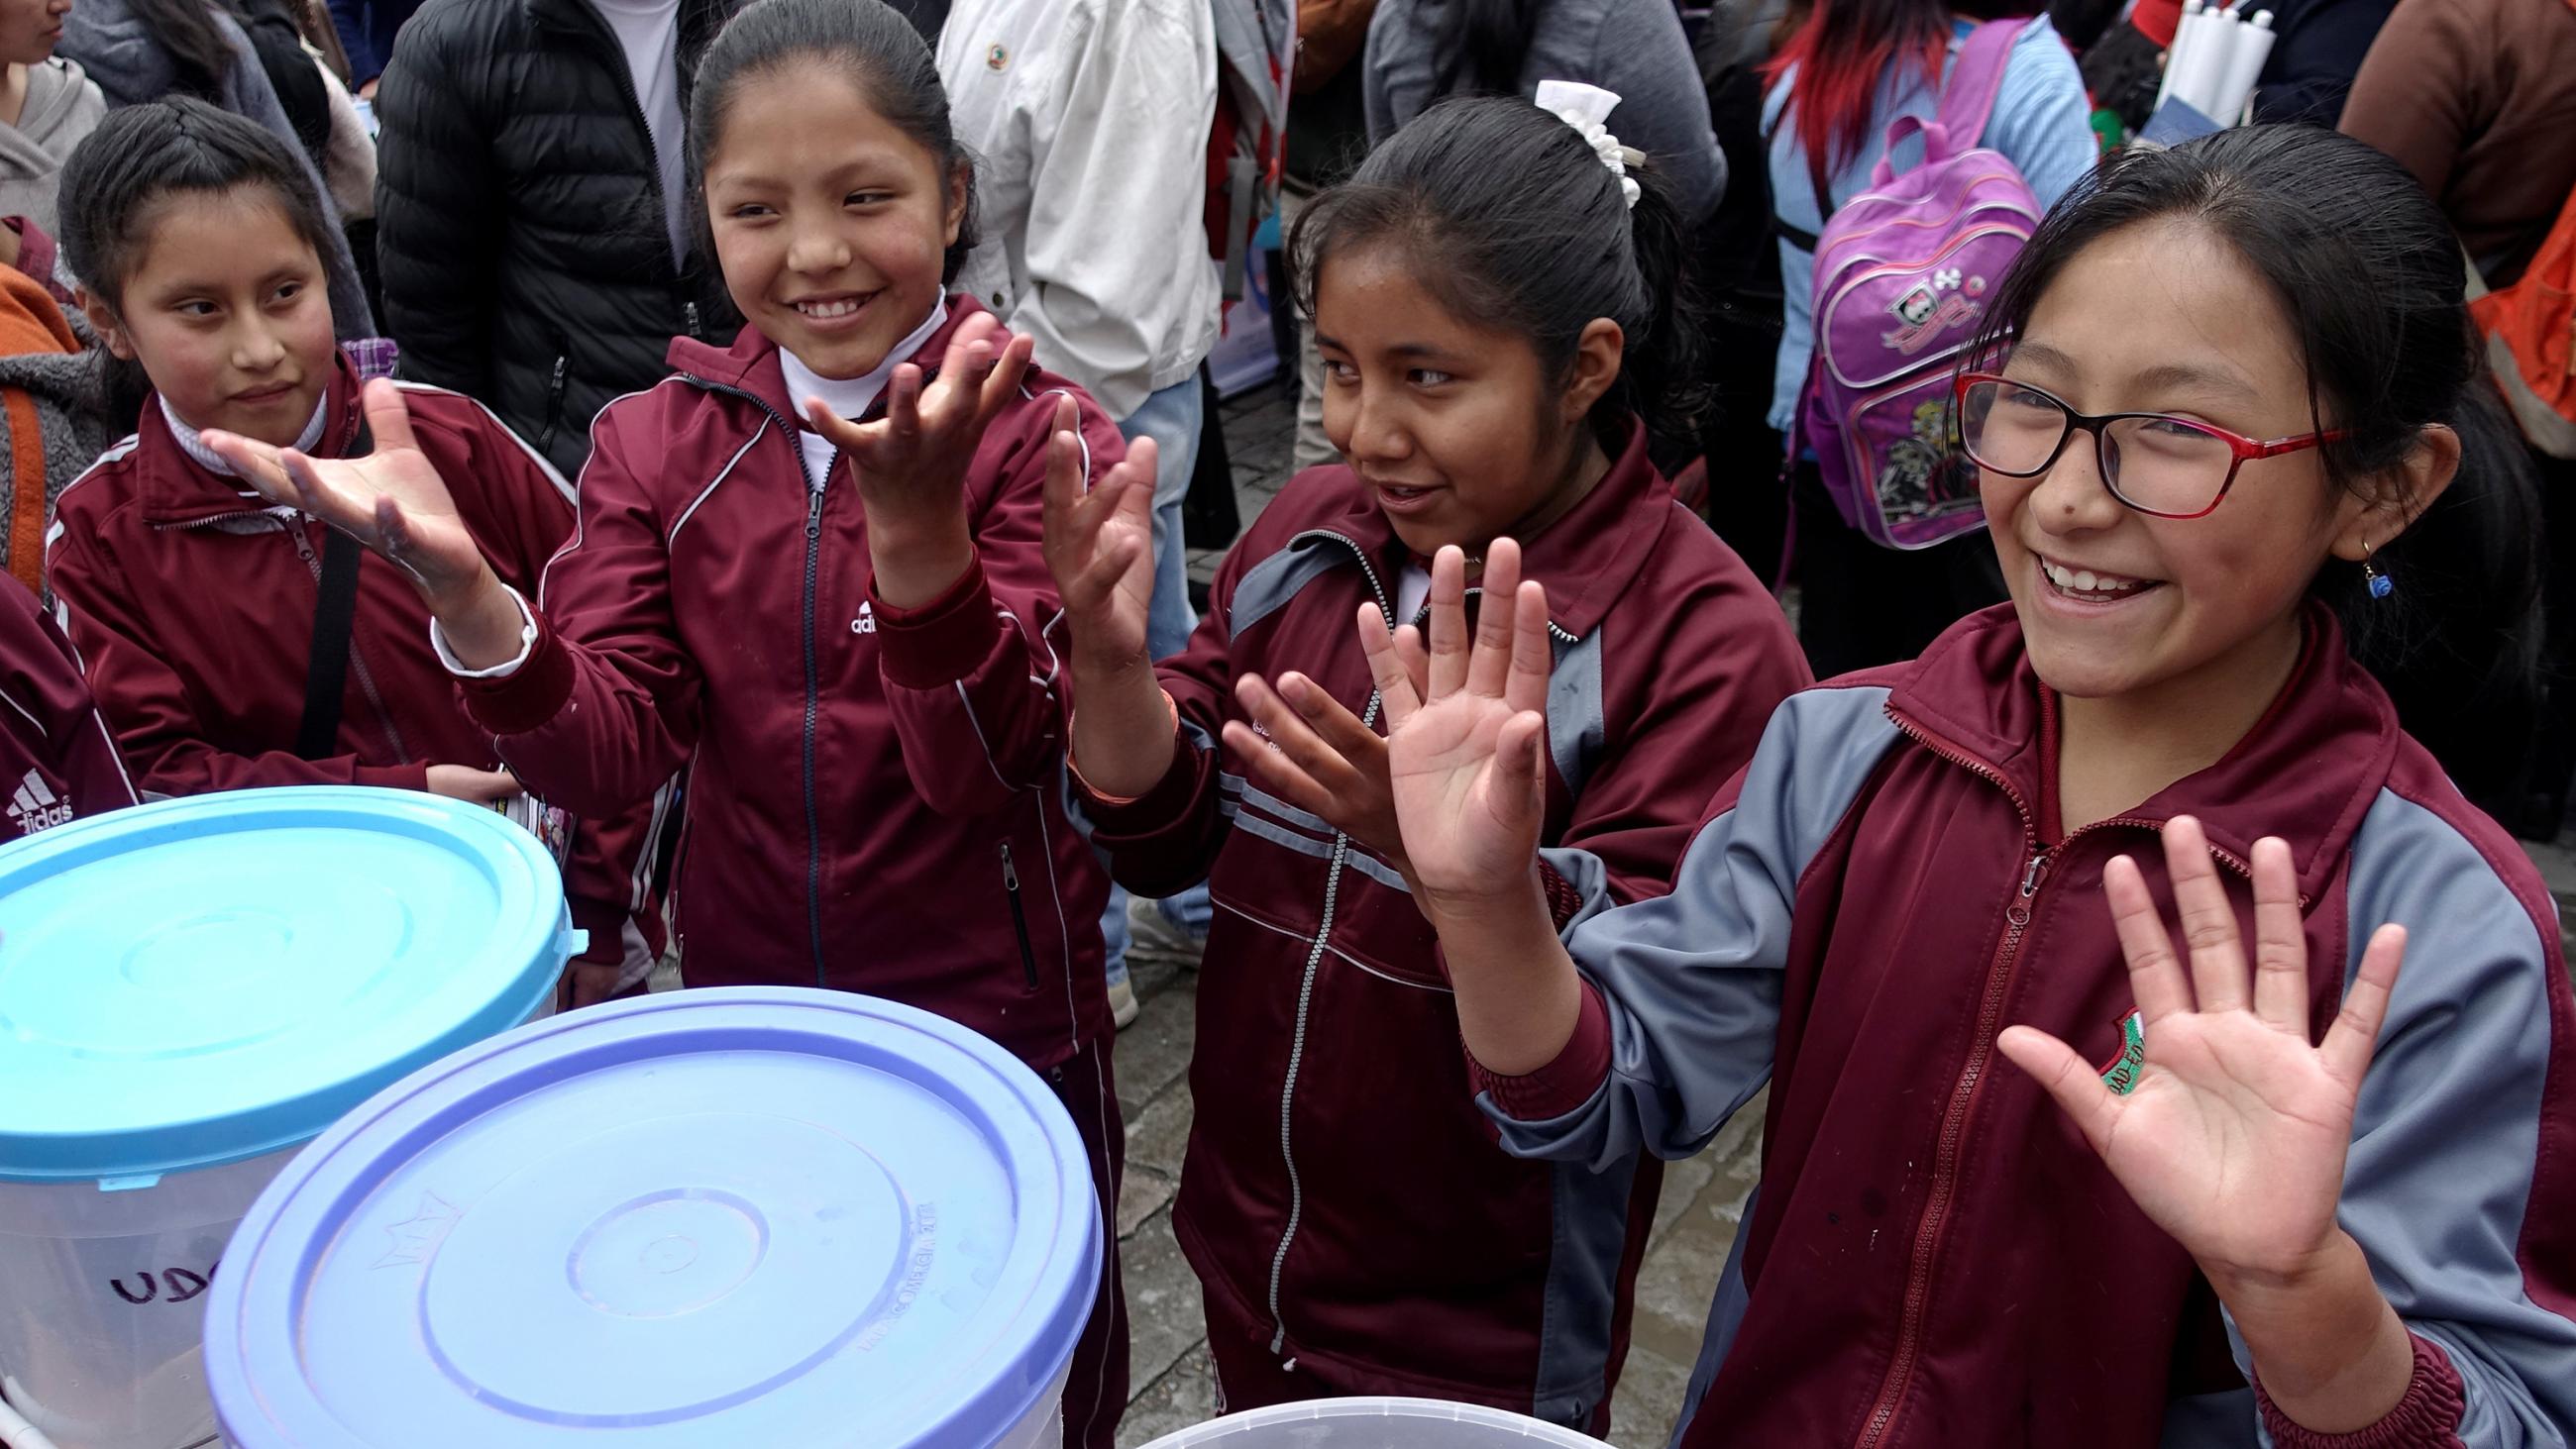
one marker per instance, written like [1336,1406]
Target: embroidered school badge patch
[2122,1074]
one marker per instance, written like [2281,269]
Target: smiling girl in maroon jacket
[2284,1193]
[1495,320]
[808,569]
[199,241]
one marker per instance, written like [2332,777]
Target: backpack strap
[327,672]
[1968,100]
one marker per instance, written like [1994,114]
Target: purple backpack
[1903,273]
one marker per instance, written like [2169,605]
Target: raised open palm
[392,500]
[1099,544]
[1467,729]
[913,457]
[2234,1135]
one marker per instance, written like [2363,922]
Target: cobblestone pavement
[1703,1199]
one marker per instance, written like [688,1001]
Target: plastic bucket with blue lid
[745,1216]
[1376,1424]
[190,991]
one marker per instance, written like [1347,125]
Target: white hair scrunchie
[1587,109]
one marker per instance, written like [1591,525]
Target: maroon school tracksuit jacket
[58,762]
[1342,1202]
[1935,1256]
[876,801]
[192,603]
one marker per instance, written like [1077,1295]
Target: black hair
[1479,46]
[870,41]
[199,50]
[2370,276]
[141,155]
[1510,219]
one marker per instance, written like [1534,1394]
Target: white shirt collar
[852,397]
[206,458]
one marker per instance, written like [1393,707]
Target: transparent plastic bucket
[190,992]
[1376,1424]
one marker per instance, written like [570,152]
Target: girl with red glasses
[2162,1051]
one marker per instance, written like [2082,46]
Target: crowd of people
[747,440]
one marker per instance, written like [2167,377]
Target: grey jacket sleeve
[1691,980]
[2449,1172]
[1643,55]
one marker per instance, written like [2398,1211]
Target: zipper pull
[814,514]
[303,544]
[2019,912]
[689,311]
[1019,916]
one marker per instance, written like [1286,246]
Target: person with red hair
[1841,78]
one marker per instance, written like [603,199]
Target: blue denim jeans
[1172,418]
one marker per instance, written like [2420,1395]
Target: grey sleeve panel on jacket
[1692,979]
[2447,1128]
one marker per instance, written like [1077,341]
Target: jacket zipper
[617,67]
[813,709]
[813,685]
[554,400]
[357,657]
[1306,986]
[1879,1427]
[1019,916]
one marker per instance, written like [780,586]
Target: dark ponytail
[1511,220]
[1479,46]
[2370,276]
[139,156]
[868,41]
[200,52]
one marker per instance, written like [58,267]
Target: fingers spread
[1490,664]
[2355,1033]
[1449,647]
[2208,920]
[1533,653]
[2280,943]
[2155,974]
[388,417]
[2075,1086]
[1297,741]
[1395,691]
[1338,727]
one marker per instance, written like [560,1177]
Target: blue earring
[2381,585]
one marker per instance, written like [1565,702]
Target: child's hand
[1100,546]
[1325,762]
[1466,733]
[392,500]
[911,462]
[479,787]
[2233,1139]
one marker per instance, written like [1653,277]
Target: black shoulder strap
[326,673]
[326,678]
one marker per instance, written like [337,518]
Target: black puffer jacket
[519,214]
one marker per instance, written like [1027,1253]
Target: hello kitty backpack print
[1904,272]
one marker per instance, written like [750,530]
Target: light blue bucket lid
[202,980]
[751,1216]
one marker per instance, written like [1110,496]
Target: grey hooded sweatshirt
[62,106]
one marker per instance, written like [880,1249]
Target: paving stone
[1164,1320]
[1155,1052]
[1183,1397]
[1648,1401]
[1682,1184]
[1142,1193]
[1151,978]
[1159,1136]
